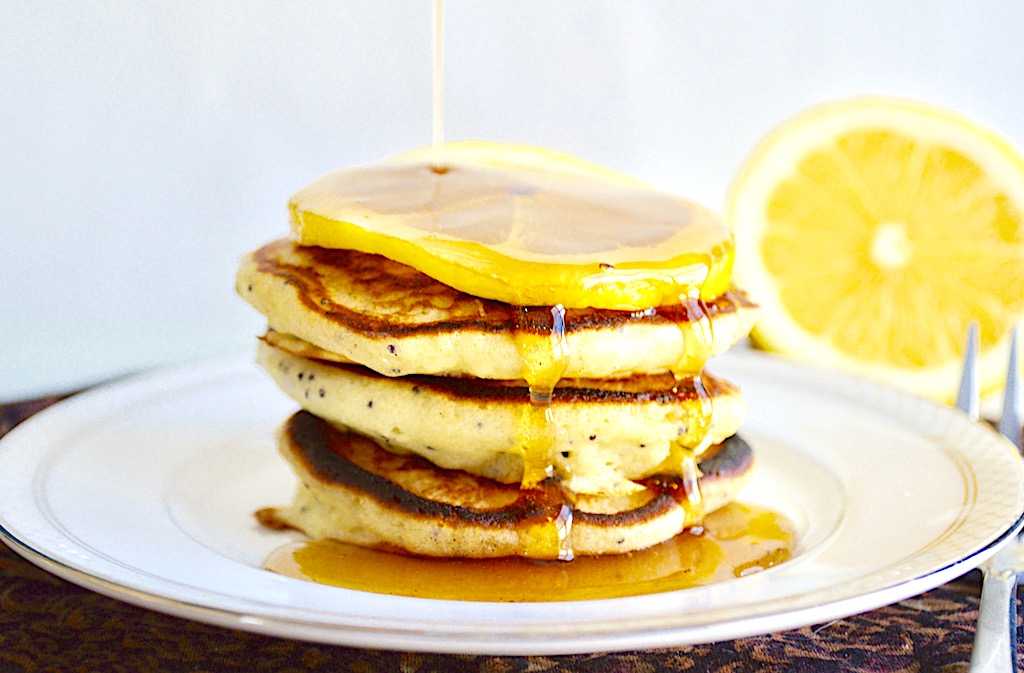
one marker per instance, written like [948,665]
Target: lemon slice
[872,230]
[521,225]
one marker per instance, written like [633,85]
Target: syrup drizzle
[437,146]
[697,346]
[544,352]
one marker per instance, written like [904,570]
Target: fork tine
[967,399]
[1010,422]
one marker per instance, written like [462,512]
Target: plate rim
[475,642]
[425,636]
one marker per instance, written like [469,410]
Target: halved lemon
[522,225]
[873,230]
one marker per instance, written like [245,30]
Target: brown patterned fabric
[49,625]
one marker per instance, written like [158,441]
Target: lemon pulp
[873,231]
[521,225]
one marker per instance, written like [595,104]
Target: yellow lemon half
[873,230]
[522,225]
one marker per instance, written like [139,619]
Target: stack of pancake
[446,421]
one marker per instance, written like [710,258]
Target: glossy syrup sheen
[544,352]
[738,540]
[519,237]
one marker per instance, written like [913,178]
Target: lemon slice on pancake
[522,225]
[872,231]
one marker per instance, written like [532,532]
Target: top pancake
[521,225]
[356,307]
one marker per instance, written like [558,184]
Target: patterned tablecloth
[48,624]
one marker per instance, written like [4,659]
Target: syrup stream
[437,146]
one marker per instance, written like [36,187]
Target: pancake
[502,355]
[605,433]
[356,307]
[353,490]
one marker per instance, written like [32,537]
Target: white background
[145,146]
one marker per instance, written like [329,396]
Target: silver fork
[995,641]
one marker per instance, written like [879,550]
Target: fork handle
[995,642]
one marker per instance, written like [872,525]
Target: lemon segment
[872,231]
[523,226]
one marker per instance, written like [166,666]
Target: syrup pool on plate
[735,541]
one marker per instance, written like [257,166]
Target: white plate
[144,490]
